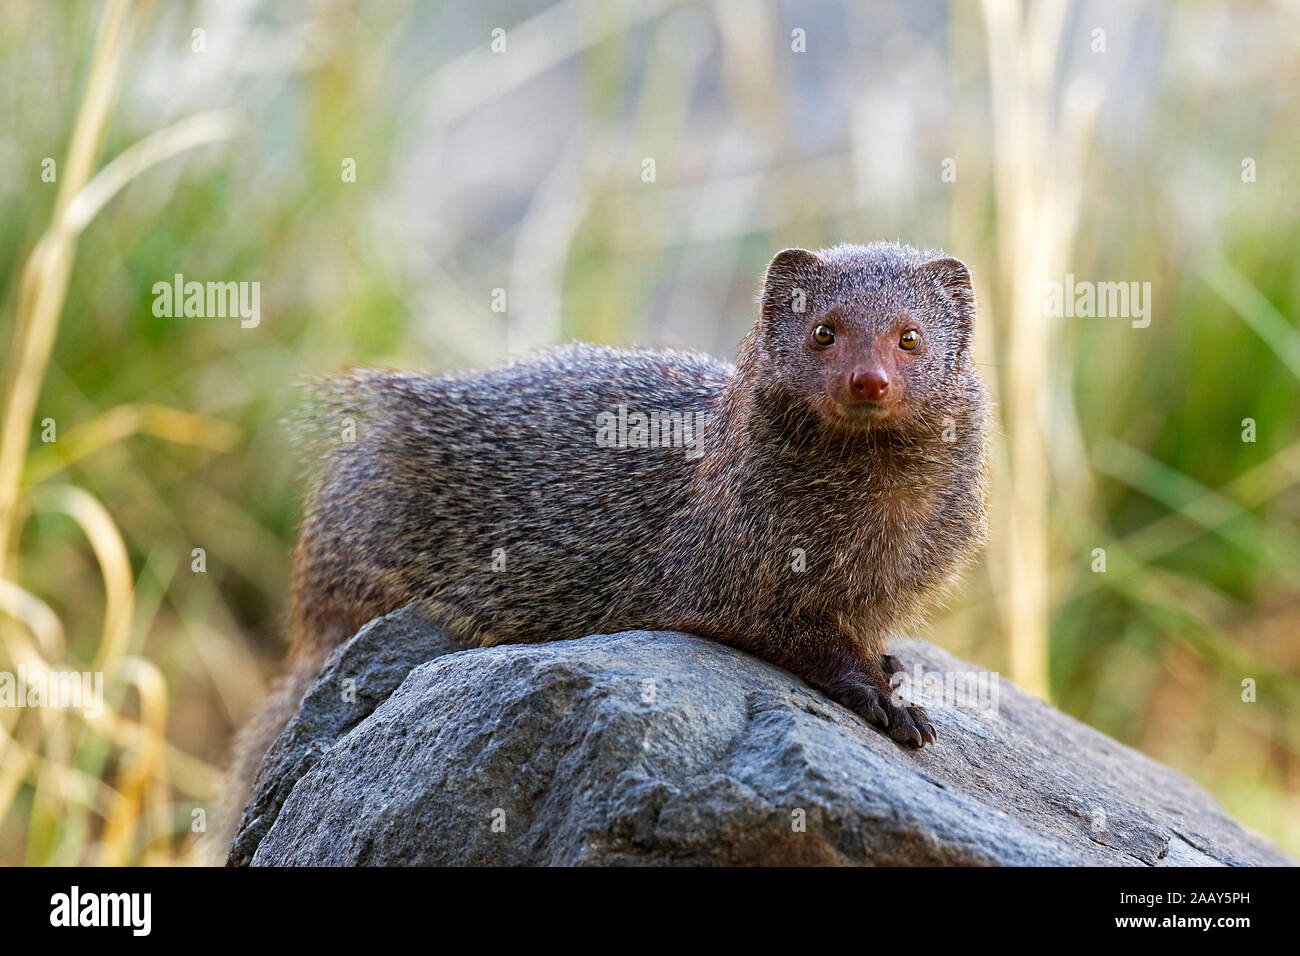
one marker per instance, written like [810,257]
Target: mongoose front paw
[905,723]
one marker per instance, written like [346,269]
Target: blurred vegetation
[522,170]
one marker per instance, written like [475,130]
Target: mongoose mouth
[860,414]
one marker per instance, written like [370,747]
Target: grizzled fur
[884,506]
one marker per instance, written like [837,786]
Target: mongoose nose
[870,383]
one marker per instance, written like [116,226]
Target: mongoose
[799,505]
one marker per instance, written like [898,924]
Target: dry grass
[102,784]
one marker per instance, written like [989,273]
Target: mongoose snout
[869,383]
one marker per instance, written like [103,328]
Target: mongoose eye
[909,340]
[823,335]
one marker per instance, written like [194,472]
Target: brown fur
[885,499]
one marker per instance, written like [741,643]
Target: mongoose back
[799,505]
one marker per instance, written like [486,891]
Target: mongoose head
[875,336]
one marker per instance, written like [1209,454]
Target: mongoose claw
[867,702]
[918,719]
[905,723]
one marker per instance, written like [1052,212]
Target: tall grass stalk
[1038,143]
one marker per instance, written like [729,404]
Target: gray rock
[663,748]
[356,679]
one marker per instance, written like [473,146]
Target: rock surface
[663,748]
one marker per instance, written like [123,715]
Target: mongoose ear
[790,278]
[951,278]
